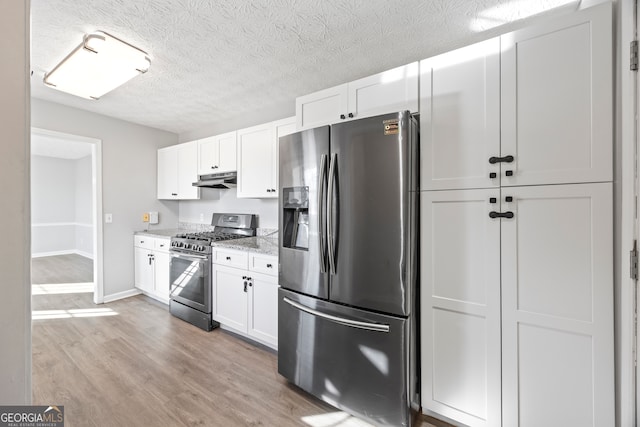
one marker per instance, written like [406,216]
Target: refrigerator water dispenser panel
[295,215]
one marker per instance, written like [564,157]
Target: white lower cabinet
[517,310]
[244,298]
[151,266]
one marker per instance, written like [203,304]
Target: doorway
[66,193]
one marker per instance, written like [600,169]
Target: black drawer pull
[228,258]
[494,214]
[342,116]
[493,175]
[509,173]
[269,266]
[505,159]
[351,115]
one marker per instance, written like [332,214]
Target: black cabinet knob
[351,115]
[508,199]
[228,258]
[493,175]
[269,266]
[273,190]
[509,173]
[342,116]
[493,200]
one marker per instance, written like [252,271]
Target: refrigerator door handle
[376,327]
[322,205]
[330,225]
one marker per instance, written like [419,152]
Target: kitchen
[130,201]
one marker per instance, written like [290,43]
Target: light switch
[108,218]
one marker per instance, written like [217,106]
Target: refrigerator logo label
[391,127]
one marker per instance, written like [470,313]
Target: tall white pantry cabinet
[517,226]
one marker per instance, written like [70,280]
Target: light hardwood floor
[130,363]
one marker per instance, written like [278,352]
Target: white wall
[83,206]
[61,201]
[128,176]
[215,200]
[53,199]
[15,252]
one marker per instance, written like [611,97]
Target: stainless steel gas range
[190,267]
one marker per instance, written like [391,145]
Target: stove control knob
[201,248]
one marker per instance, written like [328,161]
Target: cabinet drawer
[231,258]
[264,264]
[162,244]
[143,241]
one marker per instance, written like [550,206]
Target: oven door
[191,280]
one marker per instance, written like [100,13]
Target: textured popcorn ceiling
[216,60]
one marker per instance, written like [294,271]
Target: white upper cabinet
[389,91]
[256,161]
[322,107]
[217,154]
[460,118]
[258,158]
[177,171]
[557,100]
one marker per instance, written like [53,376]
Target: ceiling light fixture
[98,65]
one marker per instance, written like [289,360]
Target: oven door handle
[187,256]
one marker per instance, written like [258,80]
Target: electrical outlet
[108,218]
[145,217]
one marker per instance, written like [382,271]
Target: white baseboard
[121,295]
[64,252]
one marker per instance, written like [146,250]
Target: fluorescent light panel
[97,66]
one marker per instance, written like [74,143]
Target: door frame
[96,202]
[625,215]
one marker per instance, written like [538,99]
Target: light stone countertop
[265,245]
[164,233]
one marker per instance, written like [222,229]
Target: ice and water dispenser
[295,214]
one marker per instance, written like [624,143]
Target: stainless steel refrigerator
[348,265]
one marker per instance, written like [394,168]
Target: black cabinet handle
[245,286]
[509,173]
[494,214]
[269,266]
[251,283]
[508,199]
[493,200]
[228,258]
[244,277]
[268,190]
[273,190]
[342,116]
[351,115]
[505,159]
[174,194]
[493,175]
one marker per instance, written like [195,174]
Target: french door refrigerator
[347,314]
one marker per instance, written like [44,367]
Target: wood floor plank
[140,366]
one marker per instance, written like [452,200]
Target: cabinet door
[263,309]
[386,92]
[167,173]
[557,100]
[188,171]
[162,276]
[281,128]
[460,118]
[256,161]
[227,152]
[207,156]
[557,311]
[229,303]
[322,107]
[460,305]
[143,269]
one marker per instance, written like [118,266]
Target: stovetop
[226,227]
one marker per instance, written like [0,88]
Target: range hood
[217,180]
